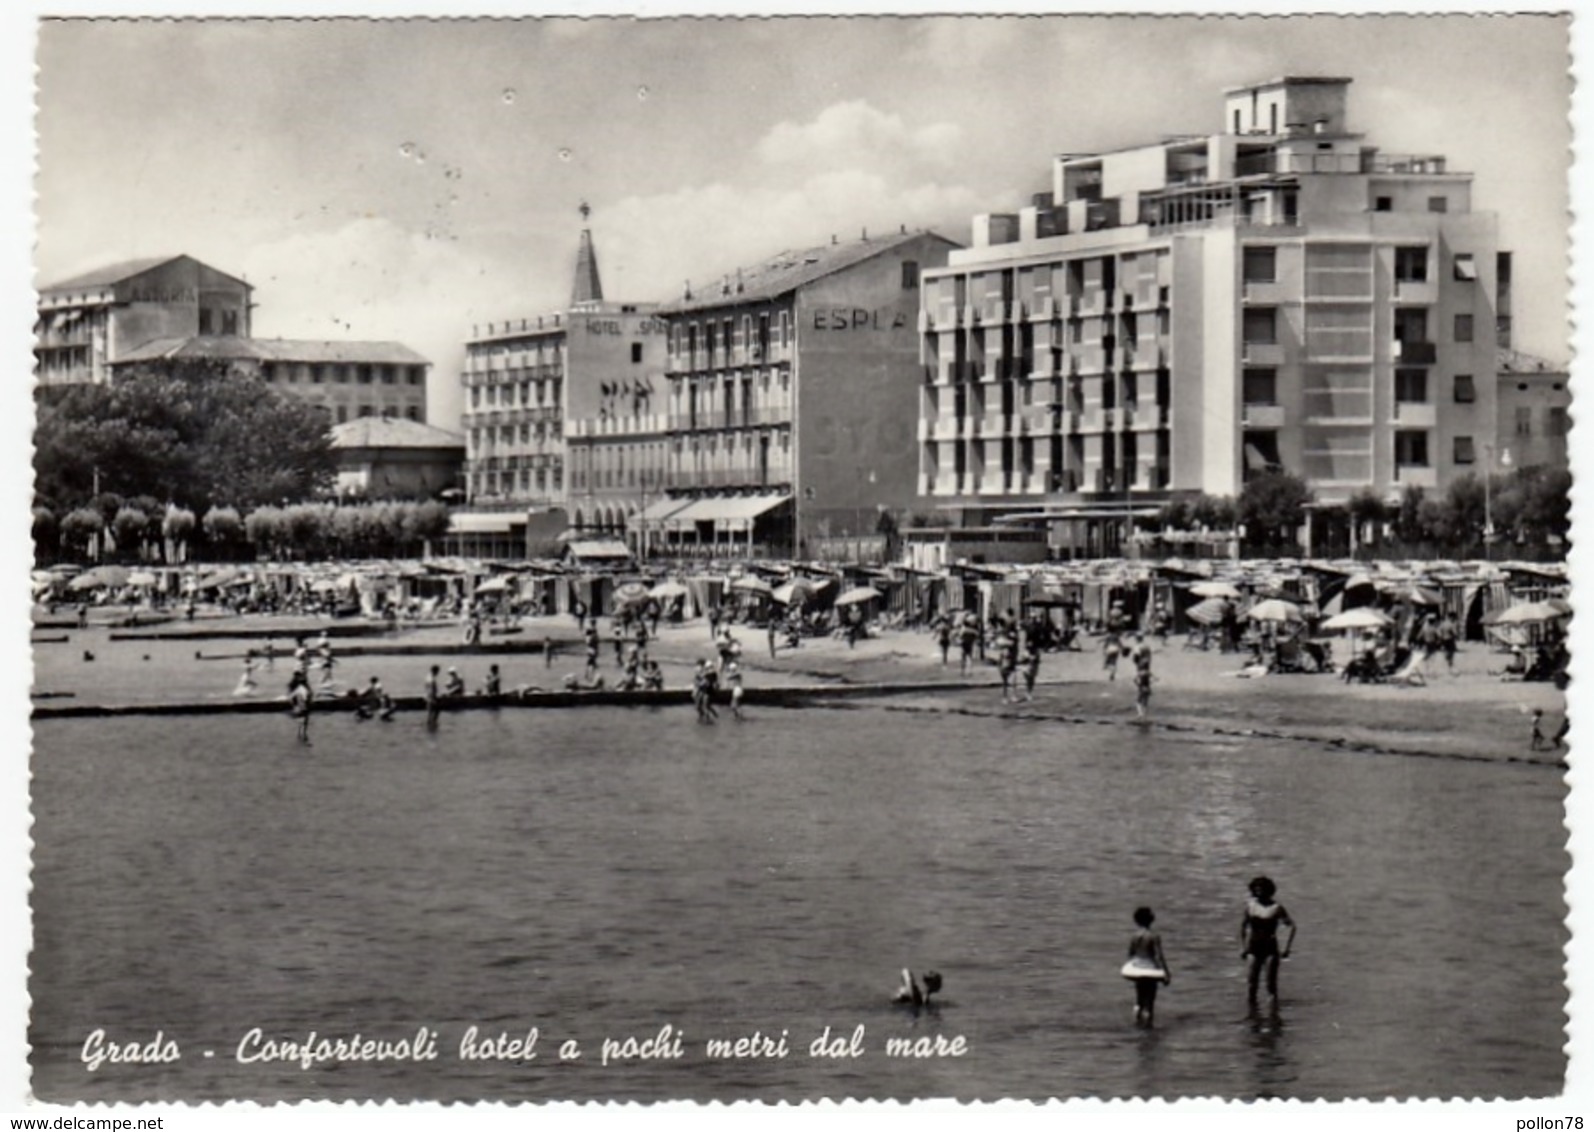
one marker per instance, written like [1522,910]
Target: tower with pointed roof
[587,288]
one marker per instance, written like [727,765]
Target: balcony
[1148,417]
[1261,416]
[1043,309]
[1416,414]
[1409,352]
[1266,292]
[1416,291]
[1262,353]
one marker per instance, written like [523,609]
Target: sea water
[601,875]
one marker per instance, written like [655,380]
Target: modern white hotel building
[1175,317]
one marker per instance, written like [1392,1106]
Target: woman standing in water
[1259,937]
[1147,966]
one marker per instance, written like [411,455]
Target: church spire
[588,287]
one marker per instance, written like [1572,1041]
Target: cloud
[653,244]
[374,280]
[854,135]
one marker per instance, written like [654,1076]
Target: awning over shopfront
[484,522]
[598,550]
[727,513]
[657,512]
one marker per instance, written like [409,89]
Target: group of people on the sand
[1147,966]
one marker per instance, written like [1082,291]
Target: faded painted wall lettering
[857,318]
[163,295]
[613,326]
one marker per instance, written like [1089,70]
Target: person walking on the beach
[704,681]
[433,697]
[246,682]
[1110,649]
[773,628]
[968,634]
[1029,666]
[1147,966]
[733,681]
[494,688]
[1142,691]
[299,705]
[592,652]
[1007,666]
[547,650]
[1259,937]
[943,637]
[1447,641]
[617,637]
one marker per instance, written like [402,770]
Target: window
[1273,118]
[317,375]
[1555,420]
[229,323]
[1261,325]
[364,374]
[1438,204]
[1466,269]
[910,274]
[1261,265]
[1524,420]
[415,375]
[413,412]
[1464,390]
[636,353]
[1236,121]
[343,413]
[1462,450]
[1383,204]
[386,374]
[1260,387]
[1411,448]
[1411,386]
[204,320]
[1411,264]
[365,410]
[1463,328]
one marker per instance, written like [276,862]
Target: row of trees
[197,434]
[1529,510]
[141,532]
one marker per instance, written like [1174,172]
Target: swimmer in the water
[1259,937]
[911,994]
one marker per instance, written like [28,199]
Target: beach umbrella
[1208,612]
[1361,618]
[141,578]
[797,592]
[1275,610]
[494,585]
[667,591]
[631,591]
[1416,595]
[99,577]
[1528,613]
[857,595]
[216,579]
[1563,606]
[1214,589]
[748,583]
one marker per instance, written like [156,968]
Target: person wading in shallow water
[1259,937]
[299,705]
[1147,966]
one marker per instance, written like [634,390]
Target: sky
[411,180]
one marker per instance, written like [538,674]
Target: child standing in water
[1147,966]
[1259,937]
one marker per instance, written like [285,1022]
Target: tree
[1214,512]
[80,527]
[129,527]
[1411,527]
[1272,506]
[46,533]
[195,433]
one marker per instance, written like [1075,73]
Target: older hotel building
[88,322]
[1176,317]
[561,413]
[791,399]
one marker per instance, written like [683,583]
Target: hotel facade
[791,394]
[561,414]
[1177,317]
